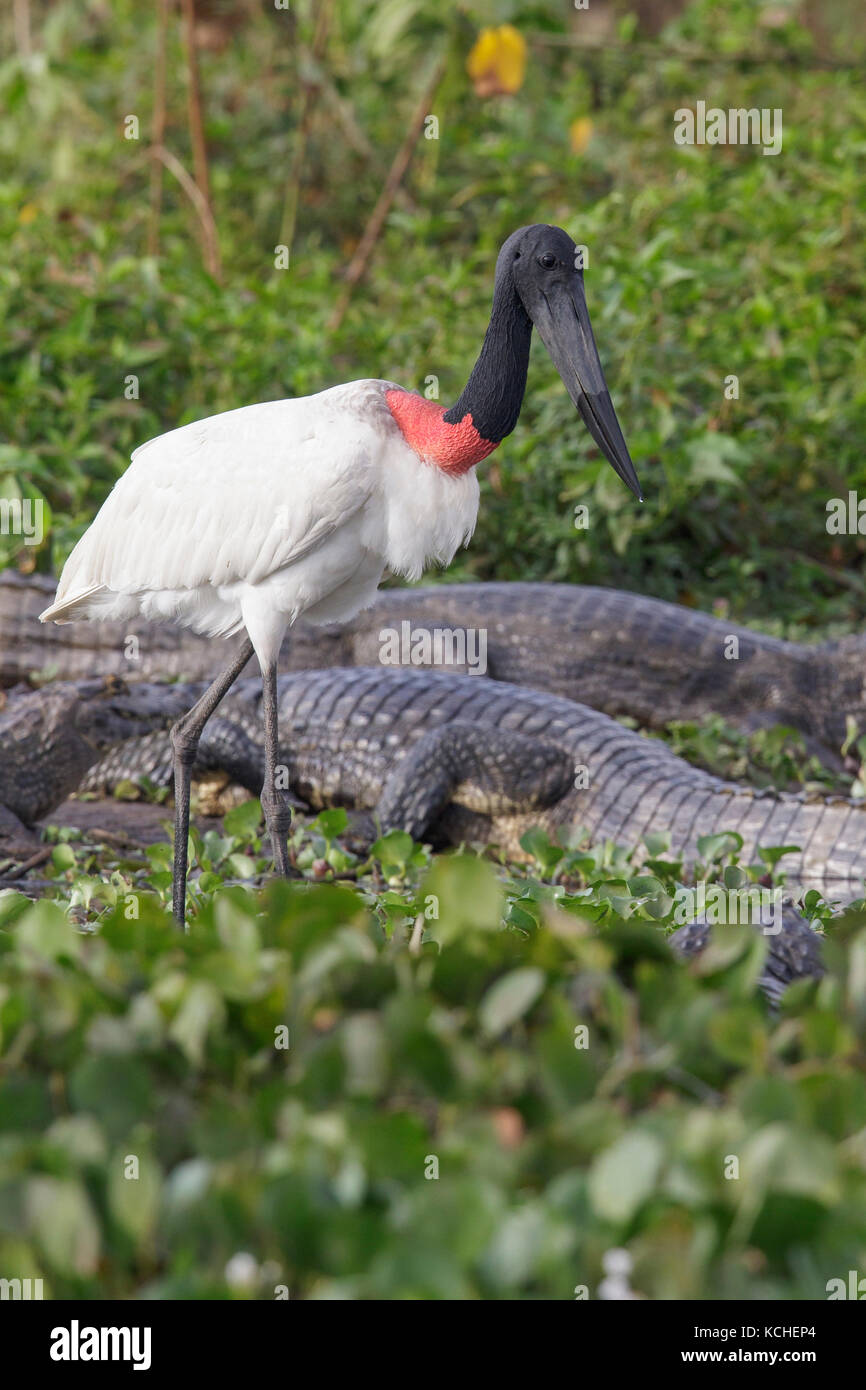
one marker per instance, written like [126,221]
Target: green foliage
[774,757]
[286,1099]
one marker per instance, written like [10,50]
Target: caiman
[50,738]
[449,758]
[615,651]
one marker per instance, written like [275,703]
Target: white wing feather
[234,497]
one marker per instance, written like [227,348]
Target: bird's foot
[277,808]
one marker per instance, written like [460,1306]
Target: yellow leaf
[28,213]
[580,134]
[497,63]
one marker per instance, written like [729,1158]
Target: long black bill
[562,320]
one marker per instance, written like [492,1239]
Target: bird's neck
[487,410]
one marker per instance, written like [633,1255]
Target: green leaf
[625,1175]
[241,865]
[116,1089]
[62,859]
[134,1186]
[716,847]
[331,823]
[45,932]
[772,854]
[244,820]
[509,999]
[64,1224]
[461,896]
[201,1012]
[393,850]
[537,843]
[644,886]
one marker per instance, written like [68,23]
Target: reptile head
[107,711]
[51,737]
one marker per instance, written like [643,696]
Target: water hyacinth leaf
[856,973]
[365,1052]
[64,1224]
[235,923]
[331,823]
[659,907]
[188,1184]
[625,1175]
[523,916]
[772,854]
[633,938]
[201,1011]
[134,1186]
[516,1246]
[393,850]
[12,906]
[217,846]
[739,1035]
[461,895]
[716,847]
[729,946]
[734,877]
[700,263]
[657,842]
[241,865]
[786,1158]
[825,1034]
[117,1090]
[243,821]
[644,886]
[509,999]
[62,858]
[44,931]
[537,843]
[79,1136]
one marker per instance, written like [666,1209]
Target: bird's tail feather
[68,608]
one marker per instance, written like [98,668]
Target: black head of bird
[539,281]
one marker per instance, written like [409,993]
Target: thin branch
[198,200]
[196,133]
[354,132]
[21,23]
[396,174]
[305,118]
[21,869]
[158,137]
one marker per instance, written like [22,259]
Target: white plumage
[249,518]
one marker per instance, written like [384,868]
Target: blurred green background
[704,262]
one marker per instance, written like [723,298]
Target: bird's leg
[185,735]
[276,803]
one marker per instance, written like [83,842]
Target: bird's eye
[547,260]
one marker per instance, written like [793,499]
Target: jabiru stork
[247,519]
